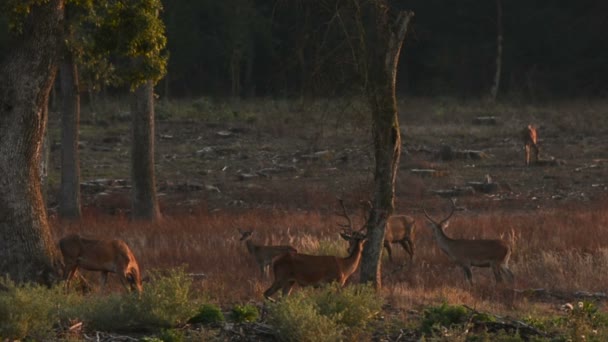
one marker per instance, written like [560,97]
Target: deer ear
[345,236]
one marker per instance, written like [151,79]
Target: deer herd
[291,267]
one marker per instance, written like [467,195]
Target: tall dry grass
[562,249]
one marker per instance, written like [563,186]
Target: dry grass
[561,249]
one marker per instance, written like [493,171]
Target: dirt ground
[261,155]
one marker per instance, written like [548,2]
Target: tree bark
[27,250]
[144,201]
[69,197]
[386,33]
[499,38]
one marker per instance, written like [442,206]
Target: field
[277,167]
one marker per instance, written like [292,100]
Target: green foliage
[171,335]
[244,313]
[207,314]
[296,318]
[32,310]
[352,306]
[165,301]
[585,321]
[328,314]
[443,316]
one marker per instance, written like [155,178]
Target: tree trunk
[387,35]
[27,250]
[69,197]
[144,202]
[499,37]
[45,159]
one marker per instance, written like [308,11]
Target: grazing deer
[399,229]
[264,255]
[530,137]
[307,270]
[100,255]
[467,253]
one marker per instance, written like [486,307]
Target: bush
[326,315]
[207,314]
[355,306]
[244,313]
[165,302]
[296,318]
[32,310]
[443,316]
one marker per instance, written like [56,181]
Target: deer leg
[70,272]
[387,245]
[536,151]
[527,154]
[263,268]
[409,247]
[468,274]
[104,279]
[497,273]
[507,272]
[273,289]
[288,287]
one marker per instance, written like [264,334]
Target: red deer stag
[399,229]
[104,256]
[264,255]
[530,138]
[467,253]
[314,270]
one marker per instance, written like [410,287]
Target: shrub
[443,316]
[296,318]
[207,314]
[586,321]
[328,314]
[165,302]
[32,310]
[244,313]
[354,305]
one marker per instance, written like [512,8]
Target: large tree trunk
[27,250]
[144,203]
[69,197]
[386,33]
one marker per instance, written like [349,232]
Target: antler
[345,215]
[445,219]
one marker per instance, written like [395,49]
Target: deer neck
[352,261]
[442,240]
[250,246]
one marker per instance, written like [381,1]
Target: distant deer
[104,256]
[314,270]
[264,255]
[399,229]
[467,253]
[530,138]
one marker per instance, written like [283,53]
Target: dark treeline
[295,48]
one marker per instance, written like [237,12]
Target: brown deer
[264,255]
[530,137]
[104,256]
[399,229]
[307,270]
[467,253]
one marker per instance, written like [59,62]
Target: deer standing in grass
[105,256]
[467,253]
[399,229]
[530,137]
[264,255]
[315,270]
